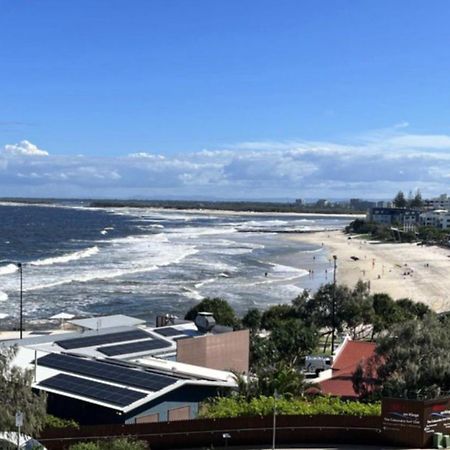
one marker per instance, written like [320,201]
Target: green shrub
[123,443]
[221,407]
[85,446]
[57,422]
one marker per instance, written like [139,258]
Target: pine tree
[400,200]
[417,201]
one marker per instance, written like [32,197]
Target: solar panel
[134,347]
[101,339]
[92,389]
[108,372]
[168,331]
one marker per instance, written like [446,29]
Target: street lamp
[20,267]
[333,305]
[274,428]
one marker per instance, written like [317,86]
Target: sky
[224,99]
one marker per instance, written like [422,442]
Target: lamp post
[333,305]
[20,267]
[274,429]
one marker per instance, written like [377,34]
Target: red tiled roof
[351,355]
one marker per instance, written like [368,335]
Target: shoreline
[400,270]
[230,212]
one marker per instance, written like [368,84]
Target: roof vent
[205,321]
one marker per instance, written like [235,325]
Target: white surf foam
[10,268]
[86,253]
[207,281]
[126,256]
[192,293]
[3,296]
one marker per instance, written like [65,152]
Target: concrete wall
[226,351]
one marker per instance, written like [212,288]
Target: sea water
[144,262]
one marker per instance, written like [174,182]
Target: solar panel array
[92,389]
[134,347]
[169,331]
[100,339]
[109,372]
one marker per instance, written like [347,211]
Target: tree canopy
[416,201]
[400,200]
[16,395]
[223,313]
[411,361]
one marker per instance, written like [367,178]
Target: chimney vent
[205,321]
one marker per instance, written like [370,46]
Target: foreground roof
[115,320]
[350,355]
[120,368]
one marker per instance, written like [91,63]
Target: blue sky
[226,99]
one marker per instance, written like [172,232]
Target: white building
[439,218]
[441,202]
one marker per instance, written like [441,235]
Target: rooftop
[118,367]
[116,320]
[350,355]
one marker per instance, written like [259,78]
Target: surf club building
[116,370]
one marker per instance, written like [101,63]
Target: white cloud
[24,148]
[376,165]
[145,155]
[437,142]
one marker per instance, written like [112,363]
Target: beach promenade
[420,273]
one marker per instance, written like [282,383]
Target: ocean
[144,262]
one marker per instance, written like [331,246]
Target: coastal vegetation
[16,395]
[380,232]
[125,443]
[238,206]
[57,422]
[236,406]
[411,361]
[223,313]
[412,201]
[411,358]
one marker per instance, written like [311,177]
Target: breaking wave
[86,253]
[10,268]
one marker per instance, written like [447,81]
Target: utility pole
[333,305]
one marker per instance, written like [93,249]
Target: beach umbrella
[62,317]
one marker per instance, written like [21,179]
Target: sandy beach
[401,270]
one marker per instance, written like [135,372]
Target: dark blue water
[145,262]
[30,233]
